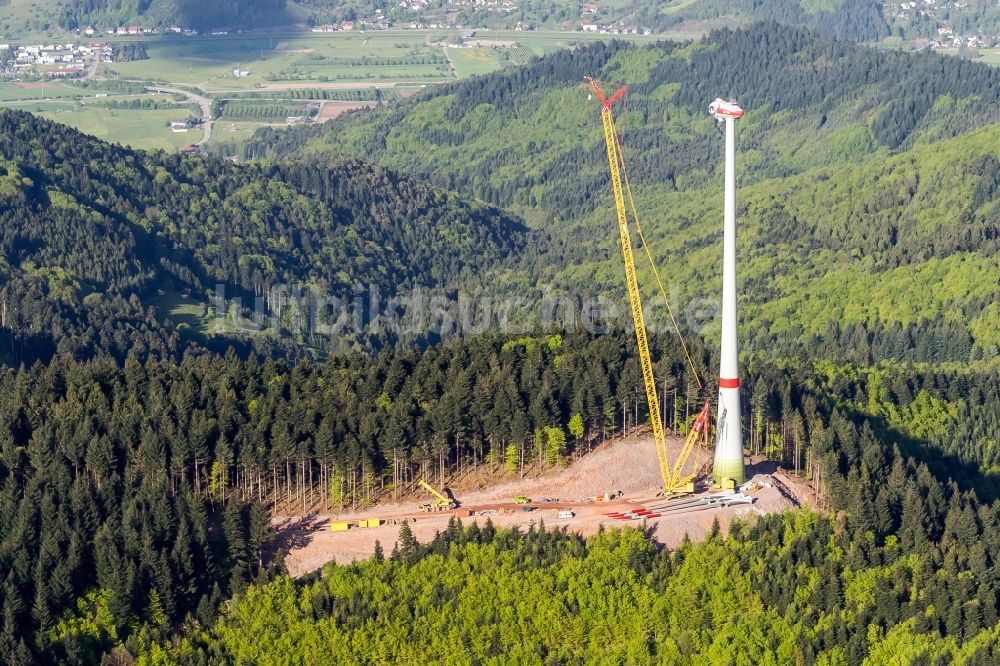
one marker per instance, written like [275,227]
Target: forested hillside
[97,538]
[167,469]
[792,589]
[139,460]
[92,233]
[133,497]
[901,568]
[867,180]
[857,20]
[230,14]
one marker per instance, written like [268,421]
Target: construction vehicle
[675,480]
[521,499]
[699,426]
[444,502]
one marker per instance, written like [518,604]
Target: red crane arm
[606,102]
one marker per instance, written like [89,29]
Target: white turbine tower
[729,432]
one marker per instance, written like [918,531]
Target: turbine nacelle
[721,109]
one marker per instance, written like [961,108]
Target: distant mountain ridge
[184,13]
[91,229]
[859,20]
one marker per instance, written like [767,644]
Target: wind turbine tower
[729,432]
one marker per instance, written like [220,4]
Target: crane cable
[656,273]
[652,264]
[614,143]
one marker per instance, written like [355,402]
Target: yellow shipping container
[370,522]
[339,526]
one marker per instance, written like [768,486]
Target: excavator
[675,479]
[444,502]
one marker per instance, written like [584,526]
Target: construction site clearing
[617,485]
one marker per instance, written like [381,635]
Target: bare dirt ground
[331,110]
[628,465]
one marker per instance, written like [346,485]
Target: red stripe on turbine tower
[729,383]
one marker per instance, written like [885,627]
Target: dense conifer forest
[142,455]
[857,20]
[140,492]
[91,234]
[792,589]
[229,14]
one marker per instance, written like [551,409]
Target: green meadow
[136,128]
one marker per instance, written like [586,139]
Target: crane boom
[672,480]
[441,497]
[632,282]
[699,426]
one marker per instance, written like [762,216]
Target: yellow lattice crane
[674,479]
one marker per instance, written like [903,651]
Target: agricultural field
[139,121]
[297,59]
[139,128]
[348,59]
[989,56]
[472,60]
[985,56]
[261,79]
[41,90]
